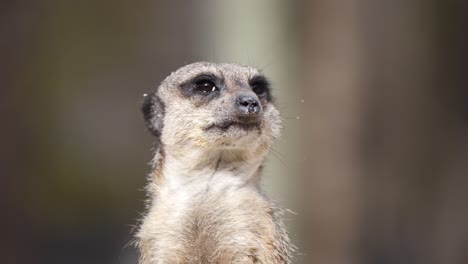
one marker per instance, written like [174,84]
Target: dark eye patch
[261,86]
[204,85]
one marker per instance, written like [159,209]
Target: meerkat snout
[248,105]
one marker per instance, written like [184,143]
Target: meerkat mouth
[227,124]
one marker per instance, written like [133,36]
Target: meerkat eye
[259,89]
[205,86]
[259,85]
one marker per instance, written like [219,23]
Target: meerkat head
[213,106]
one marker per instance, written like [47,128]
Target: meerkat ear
[153,112]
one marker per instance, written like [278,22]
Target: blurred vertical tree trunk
[412,152]
[402,134]
[332,69]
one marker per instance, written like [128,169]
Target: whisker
[291,117]
[277,155]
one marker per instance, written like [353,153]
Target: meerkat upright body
[214,125]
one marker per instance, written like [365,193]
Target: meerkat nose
[247,104]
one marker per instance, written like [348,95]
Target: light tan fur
[205,202]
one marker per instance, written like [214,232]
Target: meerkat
[214,125]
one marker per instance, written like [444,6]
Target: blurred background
[373,161]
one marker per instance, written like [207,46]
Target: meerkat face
[213,105]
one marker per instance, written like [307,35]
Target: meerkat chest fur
[214,125]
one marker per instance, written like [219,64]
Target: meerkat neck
[215,167]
